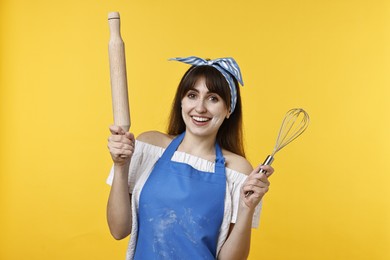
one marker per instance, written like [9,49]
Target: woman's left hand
[258,184]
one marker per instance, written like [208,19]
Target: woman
[193,195]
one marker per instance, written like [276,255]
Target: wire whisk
[294,124]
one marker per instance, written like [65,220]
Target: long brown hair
[229,135]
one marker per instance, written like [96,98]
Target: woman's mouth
[200,120]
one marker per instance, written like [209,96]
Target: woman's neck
[200,146]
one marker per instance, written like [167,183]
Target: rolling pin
[119,92]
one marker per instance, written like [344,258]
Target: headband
[227,66]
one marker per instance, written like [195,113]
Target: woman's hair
[229,135]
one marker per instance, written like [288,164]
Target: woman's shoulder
[237,162]
[155,138]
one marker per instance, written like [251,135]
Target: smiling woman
[187,187]
[203,111]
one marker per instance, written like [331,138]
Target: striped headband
[227,66]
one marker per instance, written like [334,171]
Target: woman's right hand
[120,145]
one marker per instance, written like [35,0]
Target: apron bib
[181,209]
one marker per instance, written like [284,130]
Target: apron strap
[172,147]
[219,160]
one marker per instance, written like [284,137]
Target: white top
[144,158]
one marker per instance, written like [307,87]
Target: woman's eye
[191,95]
[214,98]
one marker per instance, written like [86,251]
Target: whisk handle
[268,161]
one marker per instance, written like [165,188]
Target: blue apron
[181,209]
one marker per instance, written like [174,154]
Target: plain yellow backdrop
[329,197]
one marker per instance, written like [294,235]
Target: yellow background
[329,197]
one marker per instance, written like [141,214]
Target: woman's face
[203,112]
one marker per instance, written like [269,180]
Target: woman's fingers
[118,135]
[256,191]
[127,138]
[260,181]
[118,152]
[120,144]
[130,136]
[268,169]
[117,130]
[256,186]
[119,139]
[257,183]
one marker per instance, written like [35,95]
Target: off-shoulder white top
[144,158]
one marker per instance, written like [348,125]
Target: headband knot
[228,68]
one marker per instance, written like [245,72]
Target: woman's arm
[237,245]
[119,205]
[119,218]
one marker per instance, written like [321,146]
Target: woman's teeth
[200,119]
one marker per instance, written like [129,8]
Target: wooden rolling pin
[119,93]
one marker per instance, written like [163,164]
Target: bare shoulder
[237,162]
[155,138]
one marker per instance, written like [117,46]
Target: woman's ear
[228,115]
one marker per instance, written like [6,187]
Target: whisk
[294,124]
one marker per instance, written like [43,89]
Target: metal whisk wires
[294,124]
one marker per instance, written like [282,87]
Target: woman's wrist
[244,209]
[245,212]
[121,169]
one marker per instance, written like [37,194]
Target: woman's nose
[200,106]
